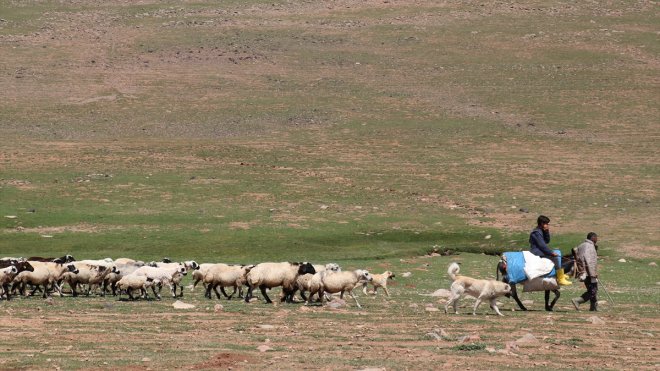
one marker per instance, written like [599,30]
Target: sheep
[44,273]
[225,275]
[10,274]
[125,261]
[269,275]
[7,259]
[379,280]
[308,282]
[132,282]
[7,275]
[344,282]
[106,261]
[164,275]
[62,260]
[199,274]
[124,269]
[188,265]
[312,283]
[89,274]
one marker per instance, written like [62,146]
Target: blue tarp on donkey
[515,262]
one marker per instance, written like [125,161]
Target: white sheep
[132,282]
[334,282]
[44,273]
[313,283]
[124,269]
[125,261]
[225,275]
[104,262]
[269,275]
[188,265]
[165,275]
[6,276]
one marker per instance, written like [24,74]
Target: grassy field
[361,132]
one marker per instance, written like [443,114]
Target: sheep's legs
[230,295]
[224,293]
[386,292]
[248,295]
[350,292]
[263,292]
[207,292]
[157,295]
[195,284]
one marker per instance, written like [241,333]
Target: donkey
[567,264]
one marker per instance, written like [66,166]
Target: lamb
[313,283]
[132,282]
[165,275]
[379,280]
[269,275]
[188,265]
[44,273]
[225,275]
[344,282]
[8,277]
[124,270]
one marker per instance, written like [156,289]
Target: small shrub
[470,347]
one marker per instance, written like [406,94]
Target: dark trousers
[592,292]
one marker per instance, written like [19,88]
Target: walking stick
[602,284]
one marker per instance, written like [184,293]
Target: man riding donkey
[539,240]
[534,269]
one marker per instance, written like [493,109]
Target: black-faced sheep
[45,274]
[269,275]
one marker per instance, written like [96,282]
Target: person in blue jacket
[538,245]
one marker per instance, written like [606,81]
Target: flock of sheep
[124,276]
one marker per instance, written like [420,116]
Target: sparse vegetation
[367,133]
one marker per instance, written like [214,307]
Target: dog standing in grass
[480,289]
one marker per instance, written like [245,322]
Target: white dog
[480,289]
[380,280]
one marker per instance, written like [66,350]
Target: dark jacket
[538,242]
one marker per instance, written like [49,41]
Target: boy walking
[587,269]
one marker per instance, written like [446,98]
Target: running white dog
[480,289]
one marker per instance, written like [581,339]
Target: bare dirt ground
[341,112]
[293,336]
